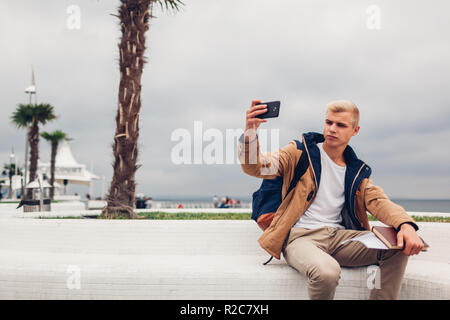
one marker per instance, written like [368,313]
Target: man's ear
[356,130]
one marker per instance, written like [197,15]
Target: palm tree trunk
[10,191]
[33,138]
[52,169]
[134,17]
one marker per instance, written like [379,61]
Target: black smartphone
[273,109]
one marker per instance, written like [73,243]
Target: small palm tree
[134,18]
[54,138]
[30,116]
[10,169]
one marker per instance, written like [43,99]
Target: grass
[18,201]
[422,219]
[431,219]
[195,216]
[229,216]
[175,216]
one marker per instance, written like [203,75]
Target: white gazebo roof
[45,184]
[57,185]
[35,185]
[64,156]
[67,168]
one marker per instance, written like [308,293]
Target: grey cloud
[208,62]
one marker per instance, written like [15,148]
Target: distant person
[227,202]
[180,206]
[328,205]
[224,203]
[88,196]
[140,203]
[148,203]
[216,201]
[238,204]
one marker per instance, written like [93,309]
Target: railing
[98,204]
[192,205]
[67,197]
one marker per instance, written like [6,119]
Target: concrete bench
[151,259]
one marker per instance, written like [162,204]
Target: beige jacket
[366,195]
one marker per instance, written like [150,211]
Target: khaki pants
[319,254]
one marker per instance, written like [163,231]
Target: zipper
[310,163]
[352,206]
[314,174]
[315,179]
[283,247]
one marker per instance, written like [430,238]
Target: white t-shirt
[325,211]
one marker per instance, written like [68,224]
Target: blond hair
[345,106]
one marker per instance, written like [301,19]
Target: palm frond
[55,136]
[28,113]
[44,113]
[23,115]
[10,167]
[174,4]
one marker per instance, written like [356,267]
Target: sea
[412,205]
[424,205]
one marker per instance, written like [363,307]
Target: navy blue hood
[355,172]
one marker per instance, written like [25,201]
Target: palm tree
[54,138]
[31,115]
[134,18]
[9,169]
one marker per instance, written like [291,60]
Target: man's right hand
[252,123]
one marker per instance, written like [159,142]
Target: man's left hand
[408,236]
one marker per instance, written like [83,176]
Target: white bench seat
[178,260]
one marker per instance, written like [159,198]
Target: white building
[67,169]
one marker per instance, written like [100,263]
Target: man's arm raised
[265,166]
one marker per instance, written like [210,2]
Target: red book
[388,236]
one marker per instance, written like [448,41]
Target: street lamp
[29,90]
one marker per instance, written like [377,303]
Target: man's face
[338,128]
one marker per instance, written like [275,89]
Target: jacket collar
[313,138]
[351,160]
[353,174]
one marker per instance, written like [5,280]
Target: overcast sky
[210,59]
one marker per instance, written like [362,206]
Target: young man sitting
[328,205]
